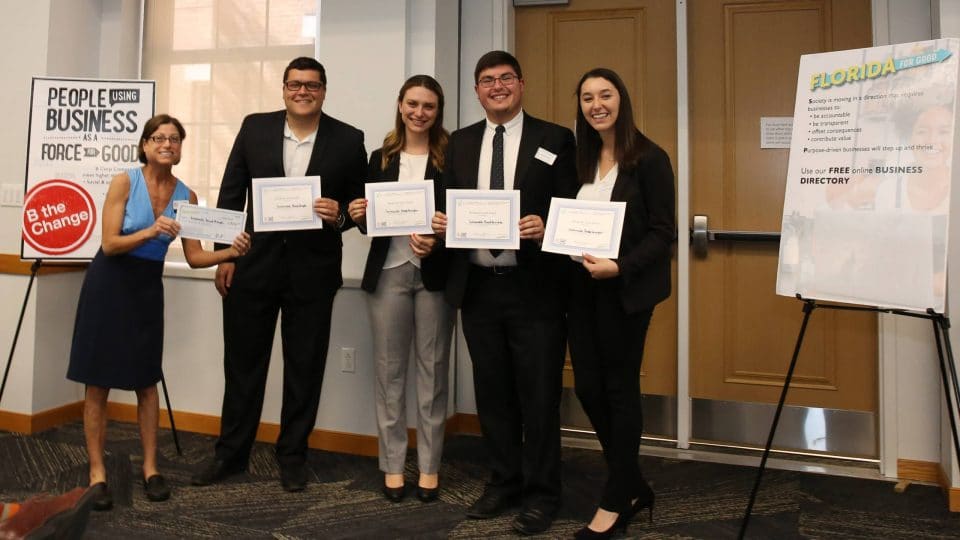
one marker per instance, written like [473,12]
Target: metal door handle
[701,235]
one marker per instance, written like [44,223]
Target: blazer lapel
[392,174]
[529,140]
[620,187]
[319,143]
[472,153]
[275,148]
[431,172]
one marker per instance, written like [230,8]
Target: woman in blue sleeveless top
[118,334]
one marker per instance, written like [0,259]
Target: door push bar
[700,236]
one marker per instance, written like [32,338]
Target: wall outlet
[348,359]
[11,195]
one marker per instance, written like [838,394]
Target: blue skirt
[118,334]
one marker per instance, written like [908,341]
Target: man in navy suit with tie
[293,272]
[511,300]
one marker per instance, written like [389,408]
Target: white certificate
[399,208]
[576,227]
[215,224]
[483,219]
[286,203]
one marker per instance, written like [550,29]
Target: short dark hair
[305,63]
[153,125]
[496,58]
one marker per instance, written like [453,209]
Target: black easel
[16,335]
[941,327]
[34,269]
[173,427]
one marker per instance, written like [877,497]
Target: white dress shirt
[296,152]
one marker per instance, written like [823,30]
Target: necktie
[496,170]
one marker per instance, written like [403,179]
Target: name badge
[545,156]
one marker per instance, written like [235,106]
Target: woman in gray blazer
[405,277]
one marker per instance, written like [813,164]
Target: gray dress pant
[402,312]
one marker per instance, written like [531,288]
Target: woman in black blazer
[612,299]
[405,277]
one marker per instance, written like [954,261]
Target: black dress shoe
[293,478]
[427,494]
[156,488]
[394,494]
[102,499]
[213,471]
[492,504]
[533,520]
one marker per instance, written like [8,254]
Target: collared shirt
[296,152]
[511,149]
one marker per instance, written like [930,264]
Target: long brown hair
[394,142]
[630,145]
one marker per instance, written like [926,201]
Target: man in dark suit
[511,301]
[296,272]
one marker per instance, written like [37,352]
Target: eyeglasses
[295,86]
[160,139]
[508,79]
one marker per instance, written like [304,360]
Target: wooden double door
[742,61]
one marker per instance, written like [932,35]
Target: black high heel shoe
[619,526]
[587,533]
[427,494]
[643,501]
[640,504]
[394,494]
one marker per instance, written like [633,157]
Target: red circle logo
[58,217]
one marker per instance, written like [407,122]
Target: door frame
[502,21]
[886,331]
[684,406]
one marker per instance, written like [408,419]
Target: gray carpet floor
[343,500]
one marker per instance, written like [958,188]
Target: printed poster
[866,208]
[82,133]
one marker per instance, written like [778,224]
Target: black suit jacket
[649,229]
[338,157]
[433,268]
[537,181]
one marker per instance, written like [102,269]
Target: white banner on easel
[866,208]
[82,133]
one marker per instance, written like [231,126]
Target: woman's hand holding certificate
[214,224]
[575,227]
[422,245]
